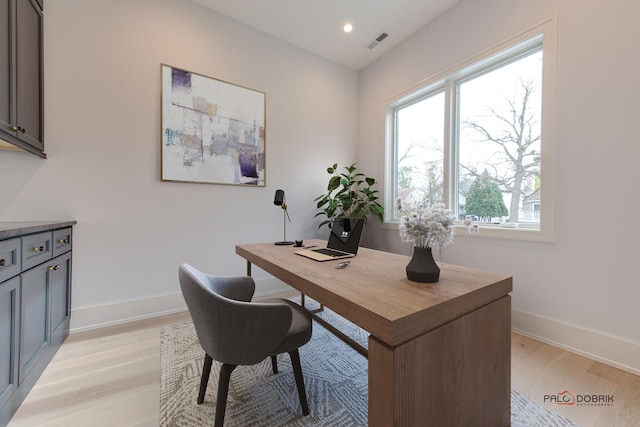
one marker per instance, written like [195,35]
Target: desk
[439,353]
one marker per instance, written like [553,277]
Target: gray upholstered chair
[235,331]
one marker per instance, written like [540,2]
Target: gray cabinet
[60,297]
[9,331]
[21,75]
[9,258]
[35,308]
[36,249]
[34,328]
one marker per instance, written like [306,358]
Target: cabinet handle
[38,249]
[18,129]
[63,241]
[2,262]
[54,267]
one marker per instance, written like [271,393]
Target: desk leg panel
[457,374]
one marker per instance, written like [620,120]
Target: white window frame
[545,32]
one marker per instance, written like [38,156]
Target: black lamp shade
[278,200]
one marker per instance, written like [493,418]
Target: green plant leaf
[334,183]
[325,222]
[322,202]
[349,194]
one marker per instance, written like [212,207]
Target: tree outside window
[500,133]
[473,139]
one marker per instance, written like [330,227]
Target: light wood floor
[111,377]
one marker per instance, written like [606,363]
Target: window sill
[496,231]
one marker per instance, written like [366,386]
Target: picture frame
[213,131]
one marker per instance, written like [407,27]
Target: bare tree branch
[515,139]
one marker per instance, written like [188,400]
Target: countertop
[19,228]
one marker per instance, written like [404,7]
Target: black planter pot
[422,267]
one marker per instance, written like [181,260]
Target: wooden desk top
[374,292]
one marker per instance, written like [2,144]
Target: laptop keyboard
[330,252]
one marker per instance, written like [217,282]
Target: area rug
[335,378]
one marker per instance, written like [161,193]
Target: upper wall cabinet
[21,75]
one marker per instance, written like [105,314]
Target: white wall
[102,112]
[582,291]
[102,126]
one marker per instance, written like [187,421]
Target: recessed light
[347,28]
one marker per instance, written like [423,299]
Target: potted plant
[349,195]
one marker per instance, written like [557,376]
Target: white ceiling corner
[316,26]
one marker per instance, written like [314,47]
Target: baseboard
[87,318]
[613,351]
[270,286]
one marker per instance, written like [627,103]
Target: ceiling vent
[373,43]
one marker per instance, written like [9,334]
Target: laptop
[344,240]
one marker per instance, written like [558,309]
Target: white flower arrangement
[473,228]
[426,225]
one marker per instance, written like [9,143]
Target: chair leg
[297,372]
[274,364]
[206,370]
[223,389]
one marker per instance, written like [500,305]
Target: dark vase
[422,267]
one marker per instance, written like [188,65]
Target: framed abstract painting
[213,131]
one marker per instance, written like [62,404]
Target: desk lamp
[280,200]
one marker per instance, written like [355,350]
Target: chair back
[230,328]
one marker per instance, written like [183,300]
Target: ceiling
[316,26]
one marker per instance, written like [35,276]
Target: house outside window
[481,139]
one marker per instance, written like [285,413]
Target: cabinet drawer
[9,259]
[36,248]
[61,241]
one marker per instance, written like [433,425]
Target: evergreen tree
[405,177]
[485,199]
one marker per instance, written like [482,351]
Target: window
[480,138]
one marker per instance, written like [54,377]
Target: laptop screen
[345,235]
